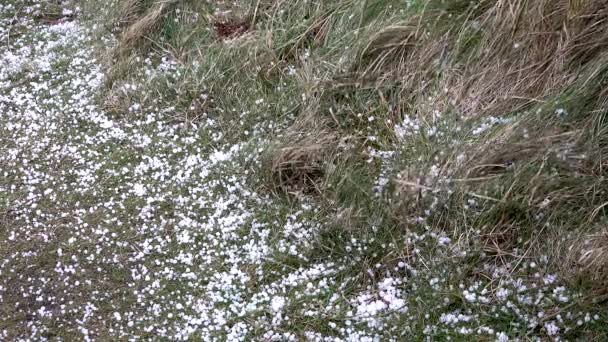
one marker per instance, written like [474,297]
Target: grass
[276,170]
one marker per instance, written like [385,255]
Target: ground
[183,188]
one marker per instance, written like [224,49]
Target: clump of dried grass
[129,11]
[299,165]
[299,162]
[493,58]
[587,262]
[527,54]
[143,26]
[140,21]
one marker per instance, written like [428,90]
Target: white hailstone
[277,303]
[469,296]
[587,317]
[139,190]
[559,294]
[502,337]
[549,279]
[551,328]
[444,241]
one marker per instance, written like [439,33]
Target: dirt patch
[231,29]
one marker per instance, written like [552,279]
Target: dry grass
[139,22]
[143,26]
[587,262]
[129,11]
[497,59]
[299,164]
[492,59]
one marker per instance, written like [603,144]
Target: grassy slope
[341,169]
